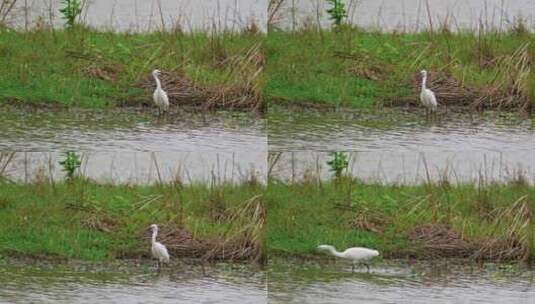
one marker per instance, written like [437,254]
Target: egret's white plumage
[427,97]
[160,96]
[159,251]
[354,254]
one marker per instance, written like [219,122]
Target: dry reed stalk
[5,160]
[6,8]
[247,67]
[441,241]
[509,89]
[246,243]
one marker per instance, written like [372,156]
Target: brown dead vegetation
[364,66]
[369,221]
[245,242]
[507,91]
[182,91]
[109,72]
[94,217]
[441,241]
[240,91]
[448,90]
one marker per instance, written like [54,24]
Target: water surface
[129,129]
[140,167]
[397,145]
[143,15]
[413,15]
[400,130]
[133,145]
[132,282]
[293,281]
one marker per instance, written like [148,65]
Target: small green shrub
[337,12]
[70,164]
[338,163]
[71,10]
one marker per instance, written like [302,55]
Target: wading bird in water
[160,96]
[159,251]
[427,97]
[357,255]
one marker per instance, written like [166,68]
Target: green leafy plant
[70,164]
[71,10]
[338,163]
[337,11]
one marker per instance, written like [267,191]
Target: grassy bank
[355,68]
[489,222]
[89,221]
[95,69]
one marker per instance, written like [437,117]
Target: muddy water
[133,146]
[410,167]
[141,167]
[129,130]
[130,283]
[142,15]
[398,282]
[402,146]
[413,15]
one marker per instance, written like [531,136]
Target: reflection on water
[129,130]
[413,15]
[397,282]
[402,146]
[130,282]
[392,167]
[142,167]
[141,15]
[400,130]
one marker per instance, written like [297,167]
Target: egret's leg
[368,267]
[353,268]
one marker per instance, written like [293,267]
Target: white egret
[159,251]
[357,255]
[427,97]
[160,96]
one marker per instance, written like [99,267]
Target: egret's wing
[432,96]
[161,251]
[359,253]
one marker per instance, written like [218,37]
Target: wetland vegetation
[352,67]
[81,219]
[426,221]
[84,67]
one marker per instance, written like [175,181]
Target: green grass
[45,66]
[302,216]
[349,67]
[89,221]
[376,68]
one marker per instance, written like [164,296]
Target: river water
[399,282]
[286,281]
[388,15]
[147,15]
[134,146]
[412,15]
[130,282]
[129,129]
[402,146]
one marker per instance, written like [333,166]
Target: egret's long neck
[154,233]
[334,252]
[158,84]
[424,82]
